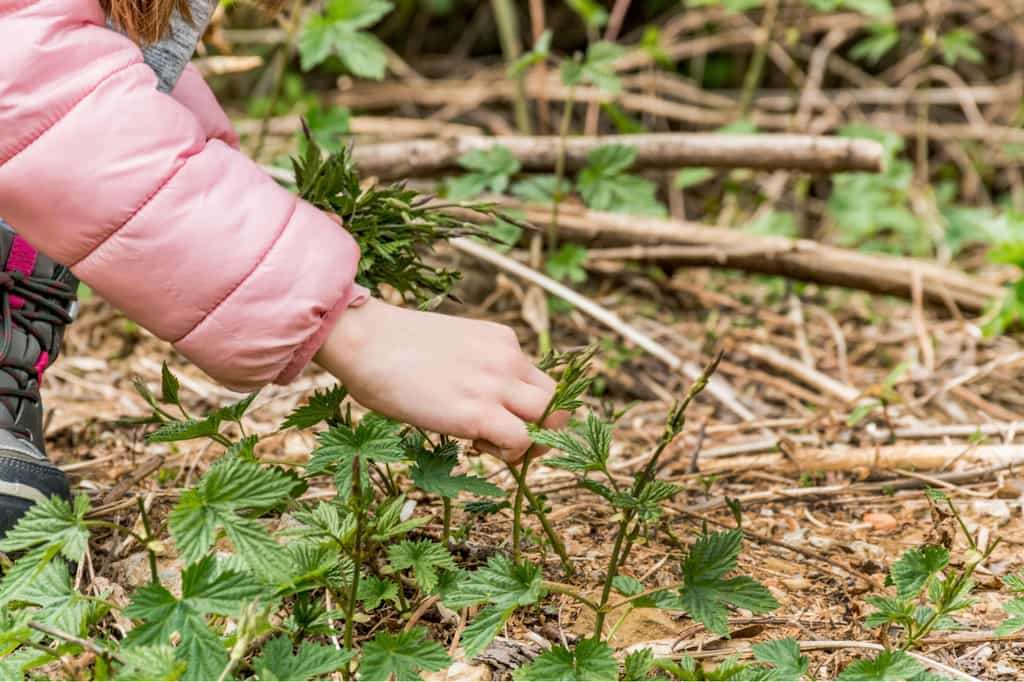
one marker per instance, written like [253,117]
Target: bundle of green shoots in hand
[393,225]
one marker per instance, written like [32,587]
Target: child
[120,164]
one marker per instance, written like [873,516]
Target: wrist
[349,334]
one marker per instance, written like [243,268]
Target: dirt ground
[821,536]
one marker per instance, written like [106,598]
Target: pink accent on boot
[41,364]
[22,259]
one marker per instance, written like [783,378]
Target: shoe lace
[50,298]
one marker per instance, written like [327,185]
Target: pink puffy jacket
[146,197]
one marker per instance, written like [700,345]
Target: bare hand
[462,377]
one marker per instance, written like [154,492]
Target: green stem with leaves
[915,635]
[673,427]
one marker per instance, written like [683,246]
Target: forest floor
[822,526]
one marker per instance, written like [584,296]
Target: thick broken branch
[802,259]
[914,457]
[419,158]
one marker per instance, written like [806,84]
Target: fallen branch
[716,387]
[922,432]
[829,645]
[915,457]
[802,259]
[803,373]
[889,485]
[419,158]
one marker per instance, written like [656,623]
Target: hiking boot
[37,300]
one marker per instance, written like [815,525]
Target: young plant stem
[549,530]
[149,538]
[446,531]
[221,439]
[613,566]
[517,508]
[511,47]
[570,591]
[517,514]
[350,608]
[631,537]
[757,61]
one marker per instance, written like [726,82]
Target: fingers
[503,435]
[526,401]
[539,378]
[545,383]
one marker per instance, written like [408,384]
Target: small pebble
[881,521]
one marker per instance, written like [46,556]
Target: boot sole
[22,484]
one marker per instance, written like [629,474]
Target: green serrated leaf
[541,188]
[584,453]
[888,665]
[151,662]
[424,557]
[358,14]
[15,665]
[889,610]
[882,39]
[627,586]
[50,527]
[1015,623]
[169,386]
[279,660]
[489,169]
[206,590]
[432,473]
[1015,582]
[484,628]
[784,655]
[638,664]
[598,63]
[501,582]
[706,594]
[235,411]
[958,44]
[60,605]
[186,429]
[402,654]
[374,440]
[592,659]
[363,54]
[374,591]
[52,523]
[911,572]
[231,485]
[606,186]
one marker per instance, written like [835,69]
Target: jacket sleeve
[122,183]
[193,92]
